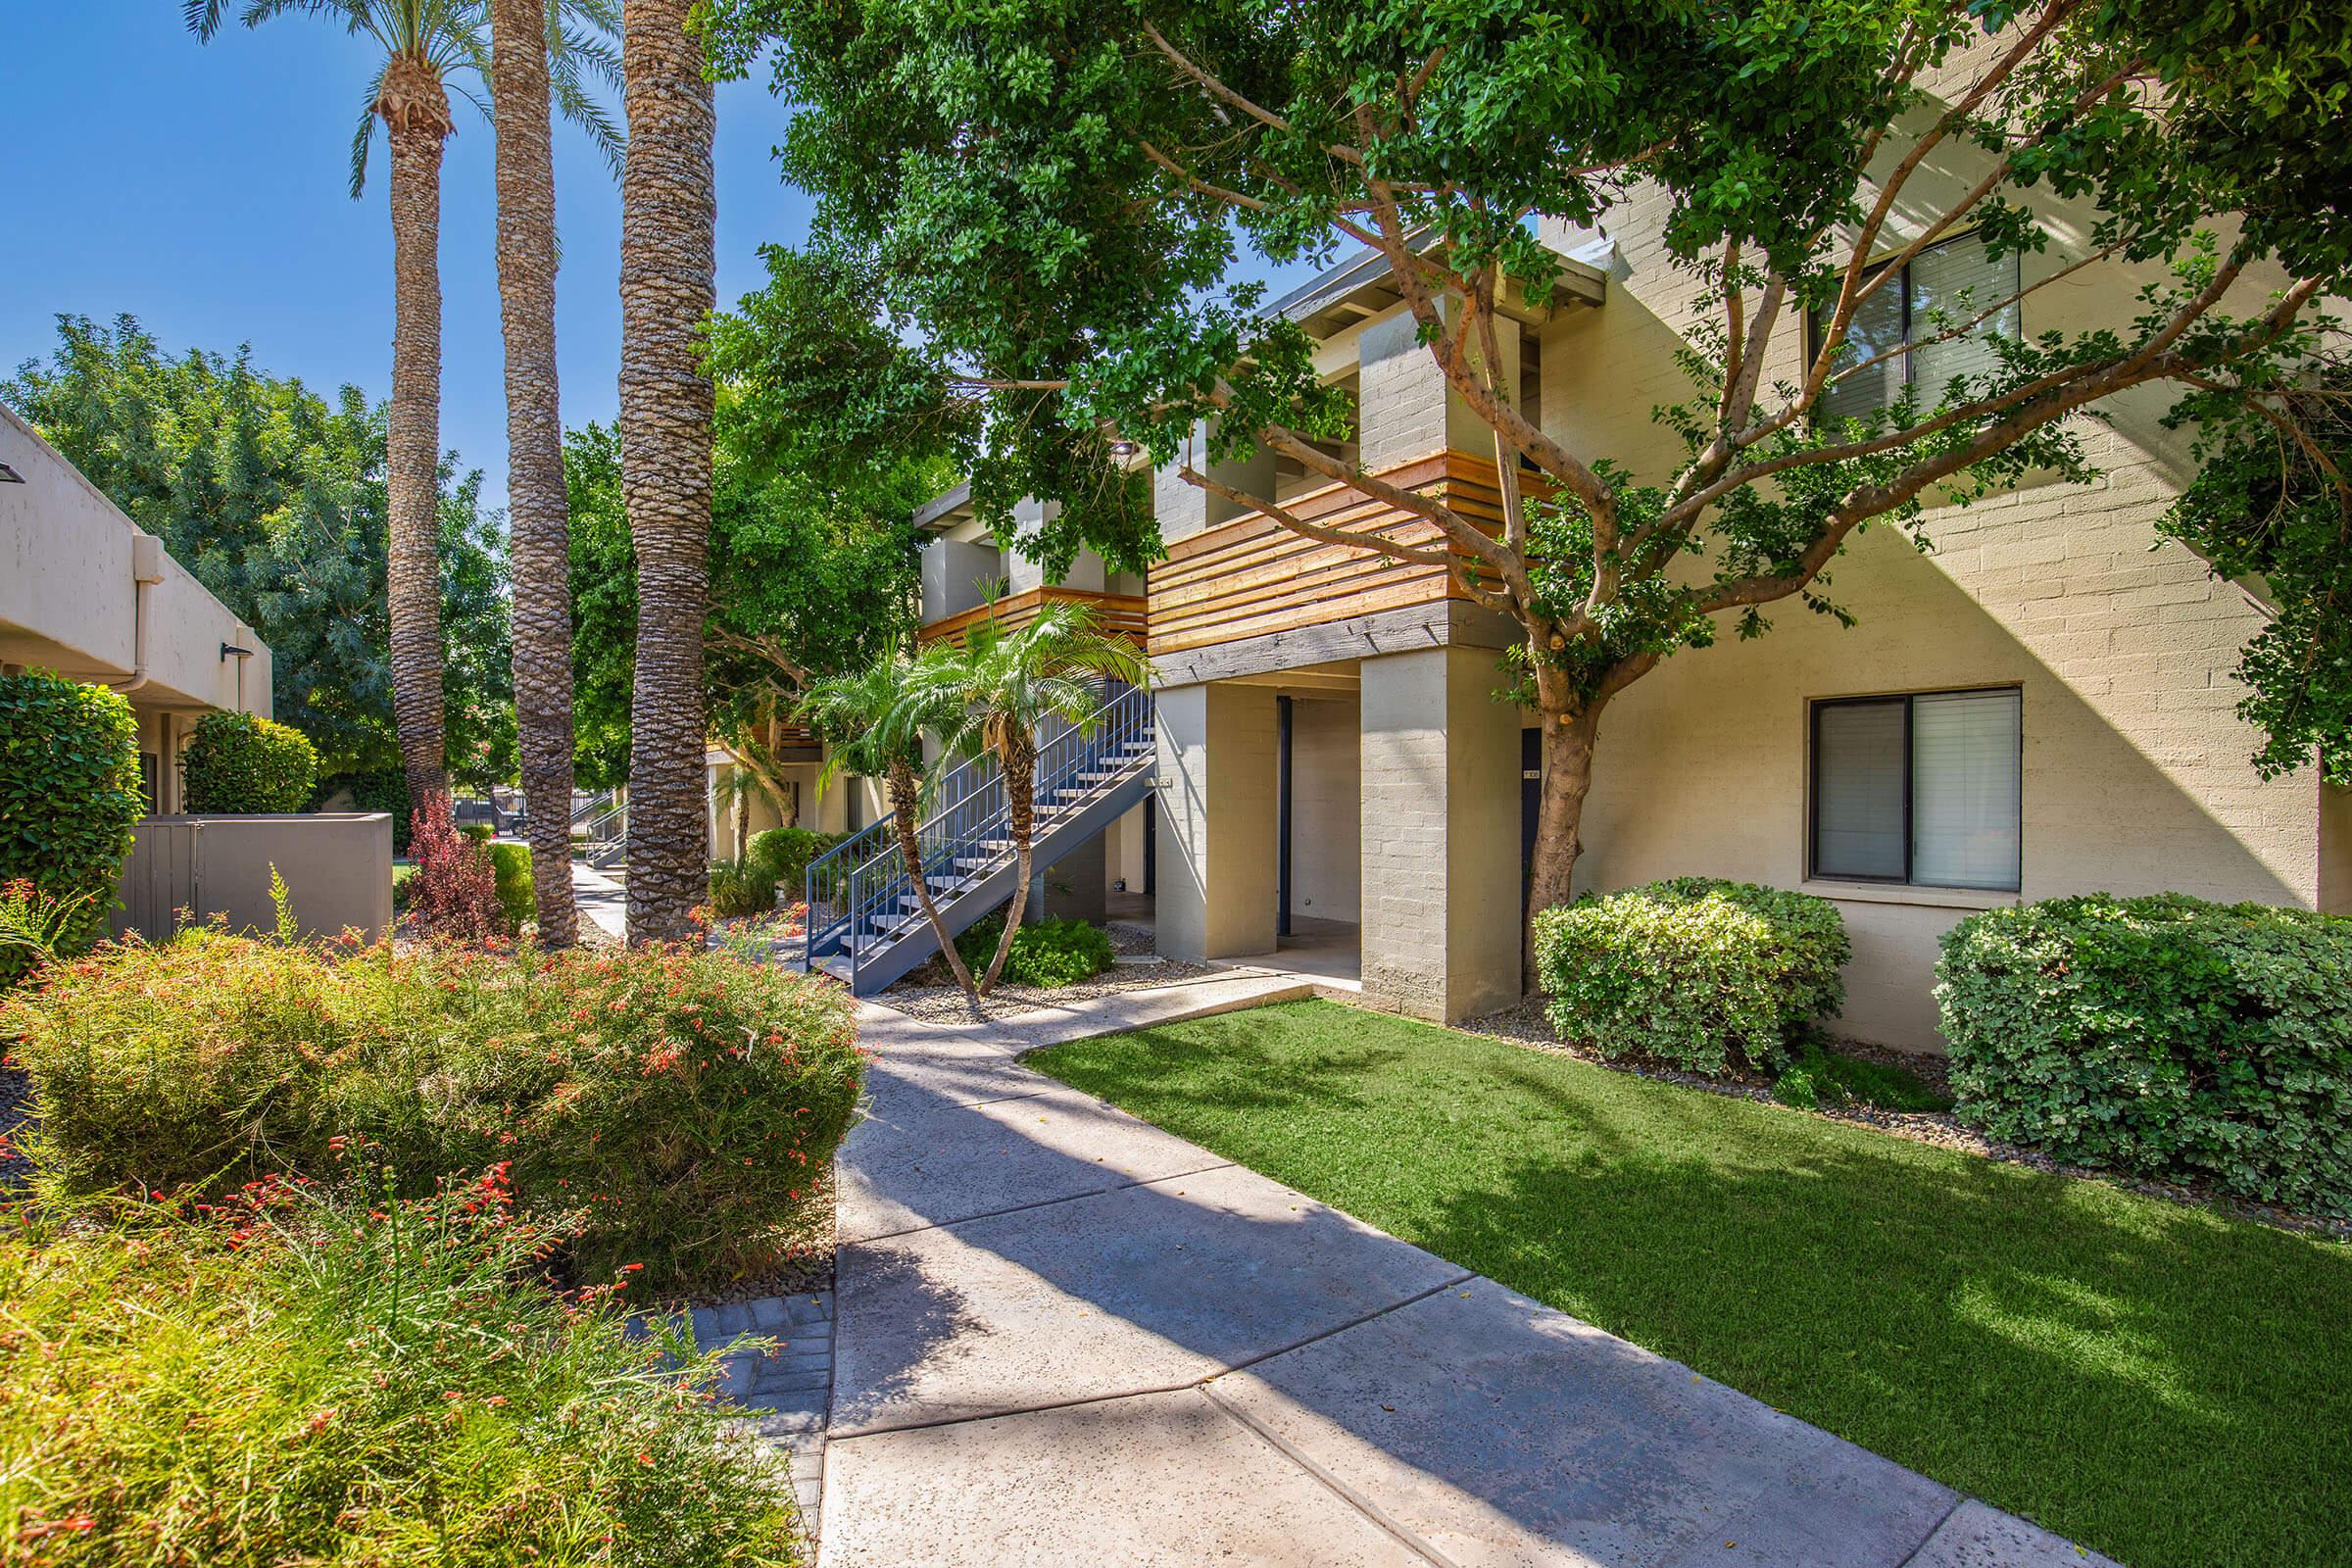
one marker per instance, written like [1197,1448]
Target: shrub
[453,892]
[305,1381]
[384,789]
[1820,1077]
[1692,971]
[685,1102]
[741,887]
[517,898]
[243,762]
[1045,953]
[2161,1036]
[784,853]
[69,795]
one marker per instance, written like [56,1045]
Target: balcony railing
[1250,576]
[1120,614]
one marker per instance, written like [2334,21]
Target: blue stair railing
[861,903]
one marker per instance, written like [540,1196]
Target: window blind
[1952,285]
[1877,327]
[1966,774]
[1858,789]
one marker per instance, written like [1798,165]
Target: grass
[2164,1384]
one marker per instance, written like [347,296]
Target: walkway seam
[1043,1202]
[1333,1483]
[1959,1501]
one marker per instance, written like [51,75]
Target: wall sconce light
[9,475]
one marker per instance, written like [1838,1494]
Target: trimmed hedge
[784,853]
[2161,1036]
[739,888]
[69,795]
[244,763]
[679,1106]
[1046,954]
[384,789]
[517,895]
[1701,973]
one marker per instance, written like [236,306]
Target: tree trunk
[1567,747]
[667,288]
[906,807]
[1017,756]
[538,508]
[743,817]
[412,432]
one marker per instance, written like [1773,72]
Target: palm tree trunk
[416,112]
[667,288]
[741,816]
[905,809]
[538,507]
[1017,756]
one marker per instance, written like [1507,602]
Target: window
[1921,790]
[1943,286]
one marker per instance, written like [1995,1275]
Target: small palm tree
[999,685]
[882,718]
[427,46]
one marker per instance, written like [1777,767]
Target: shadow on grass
[2165,1384]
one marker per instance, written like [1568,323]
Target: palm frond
[363,136]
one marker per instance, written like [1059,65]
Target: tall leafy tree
[275,498]
[1031,212]
[427,45]
[521,86]
[668,285]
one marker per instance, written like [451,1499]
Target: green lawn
[2166,1384]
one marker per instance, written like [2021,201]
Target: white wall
[1326,828]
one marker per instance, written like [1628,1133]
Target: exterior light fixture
[229,651]
[9,475]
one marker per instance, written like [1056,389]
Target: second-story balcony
[1249,575]
[1119,614]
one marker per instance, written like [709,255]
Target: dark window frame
[1910,699]
[1816,327]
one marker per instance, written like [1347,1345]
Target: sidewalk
[601,899]
[1065,1336]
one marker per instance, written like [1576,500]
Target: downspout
[146,570]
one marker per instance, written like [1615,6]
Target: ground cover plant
[1704,974]
[291,1377]
[2163,1036]
[1046,954]
[681,1102]
[741,887]
[1818,1077]
[2165,1384]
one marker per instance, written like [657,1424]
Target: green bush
[1819,1077]
[2161,1036]
[741,887]
[243,762]
[384,789]
[684,1102]
[323,1379]
[517,898]
[1701,973]
[784,853]
[1045,953]
[69,795]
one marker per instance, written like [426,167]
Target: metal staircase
[603,827]
[865,923]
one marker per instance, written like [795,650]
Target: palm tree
[427,44]
[1000,685]
[883,719]
[523,35]
[668,285]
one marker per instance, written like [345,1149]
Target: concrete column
[1440,835]
[1404,406]
[1215,886]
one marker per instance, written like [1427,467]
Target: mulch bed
[1526,1025]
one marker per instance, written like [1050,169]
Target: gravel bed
[1526,1025]
[921,996]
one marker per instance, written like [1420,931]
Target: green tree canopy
[1031,217]
[274,497]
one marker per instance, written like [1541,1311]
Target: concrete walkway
[1065,1336]
[601,899]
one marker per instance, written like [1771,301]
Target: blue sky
[203,188]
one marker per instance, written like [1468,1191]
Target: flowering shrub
[685,1104]
[296,1377]
[1692,971]
[244,763]
[2163,1036]
[453,892]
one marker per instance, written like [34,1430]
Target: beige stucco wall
[1214,779]
[1326,829]
[68,598]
